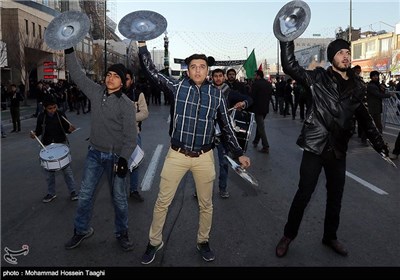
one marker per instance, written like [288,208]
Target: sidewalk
[26,112]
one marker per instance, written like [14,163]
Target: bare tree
[60,62]
[3,54]
[86,61]
[25,63]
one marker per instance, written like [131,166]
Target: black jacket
[261,92]
[52,128]
[330,120]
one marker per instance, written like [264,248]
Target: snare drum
[242,122]
[55,157]
[136,158]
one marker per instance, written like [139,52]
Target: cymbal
[242,172]
[66,30]
[292,20]
[142,25]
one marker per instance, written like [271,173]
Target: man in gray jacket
[112,141]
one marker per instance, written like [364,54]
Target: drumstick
[76,129]
[40,142]
[70,124]
[67,120]
[230,109]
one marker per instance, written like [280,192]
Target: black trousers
[396,150]
[310,169]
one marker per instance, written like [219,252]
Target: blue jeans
[68,178]
[223,167]
[96,164]
[134,175]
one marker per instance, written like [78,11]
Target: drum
[136,158]
[55,157]
[242,123]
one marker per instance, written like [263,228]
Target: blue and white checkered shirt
[196,109]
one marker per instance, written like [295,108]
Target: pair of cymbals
[69,28]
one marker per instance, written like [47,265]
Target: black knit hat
[336,46]
[49,100]
[120,70]
[373,73]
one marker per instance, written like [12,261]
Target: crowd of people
[329,100]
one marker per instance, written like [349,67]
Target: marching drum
[242,123]
[136,158]
[55,157]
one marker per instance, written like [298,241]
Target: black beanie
[373,73]
[120,70]
[336,46]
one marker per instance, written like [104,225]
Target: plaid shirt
[196,109]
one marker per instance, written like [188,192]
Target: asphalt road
[246,227]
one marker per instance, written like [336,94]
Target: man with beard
[337,95]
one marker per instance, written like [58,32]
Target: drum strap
[59,121]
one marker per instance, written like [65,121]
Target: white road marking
[151,170]
[365,183]
[391,134]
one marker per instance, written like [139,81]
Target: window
[40,31]
[26,27]
[33,29]
[357,51]
[385,45]
[370,46]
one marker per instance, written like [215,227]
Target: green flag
[250,65]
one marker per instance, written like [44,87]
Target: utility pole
[277,57]
[351,24]
[105,36]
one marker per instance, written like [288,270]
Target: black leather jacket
[329,122]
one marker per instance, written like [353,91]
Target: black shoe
[224,193]
[13,130]
[124,242]
[77,239]
[282,247]
[150,254]
[255,145]
[336,246]
[264,150]
[48,198]
[136,195]
[74,196]
[205,251]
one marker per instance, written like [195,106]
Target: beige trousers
[175,167]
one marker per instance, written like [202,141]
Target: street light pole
[247,54]
[277,58]
[350,28]
[105,36]
[153,56]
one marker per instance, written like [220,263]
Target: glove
[122,167]
[385,150]
[69,50]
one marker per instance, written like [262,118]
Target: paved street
[246,227]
